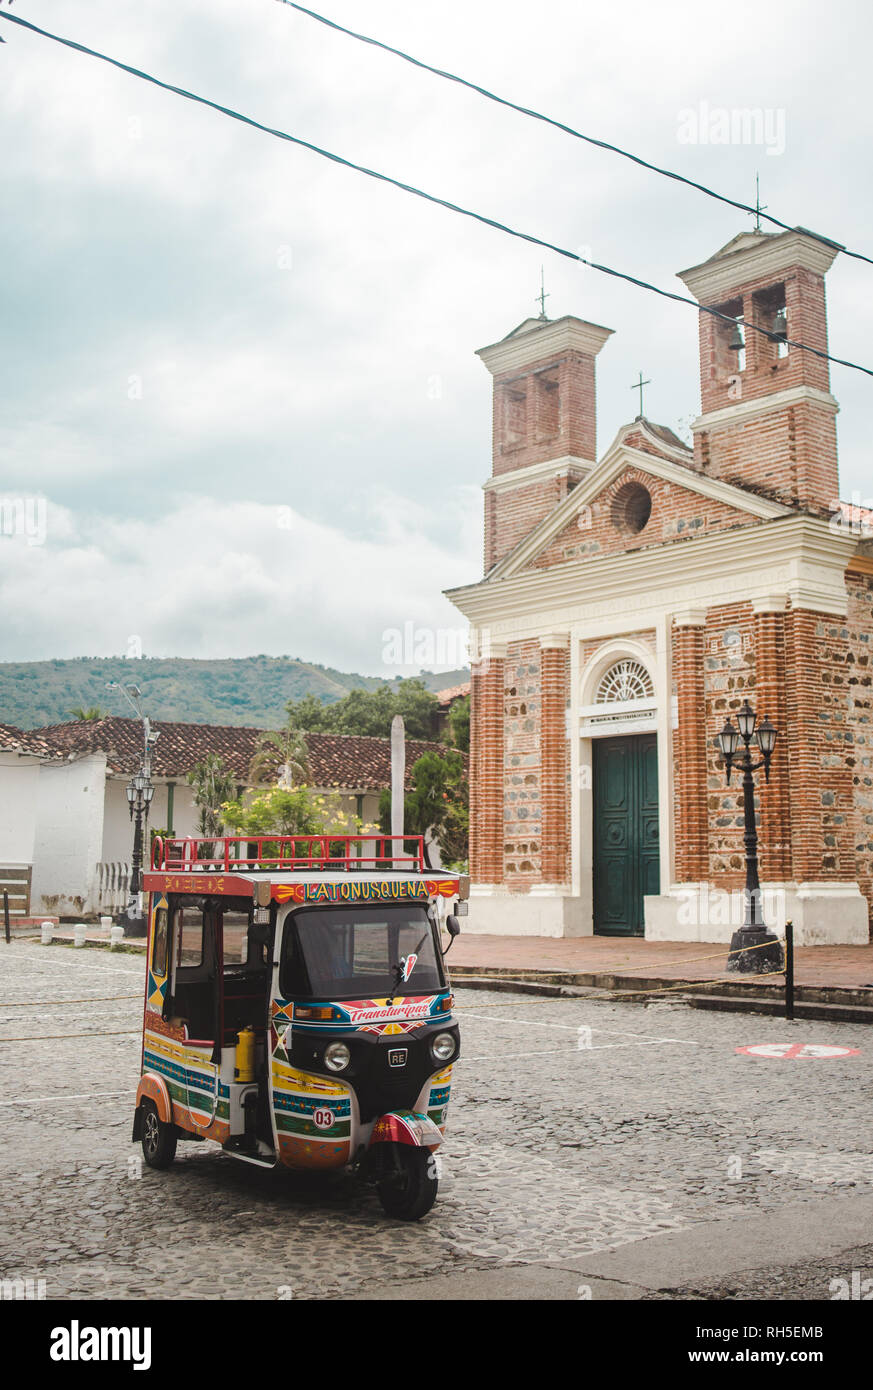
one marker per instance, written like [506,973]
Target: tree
[459,723]
[281,756]
[309,713]
[91,714]
[213,784]
[369,712]
[439,803]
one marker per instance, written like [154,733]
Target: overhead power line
[419,192]
[756,212]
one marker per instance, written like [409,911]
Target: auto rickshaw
[297,1007]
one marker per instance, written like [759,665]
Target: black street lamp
[139,797]
[753,932]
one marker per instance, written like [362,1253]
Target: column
[689,744]
[771,700]
[820,777]
[487,767]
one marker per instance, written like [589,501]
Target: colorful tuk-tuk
[297,1007]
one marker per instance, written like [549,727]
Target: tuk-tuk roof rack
[284,853]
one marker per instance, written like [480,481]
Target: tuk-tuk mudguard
[154,1088]
[406,1127]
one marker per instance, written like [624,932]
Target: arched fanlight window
[626,680]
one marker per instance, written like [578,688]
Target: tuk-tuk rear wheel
[409,1190]
[158,1139]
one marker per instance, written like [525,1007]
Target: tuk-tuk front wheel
[158,1139]
[409,1188]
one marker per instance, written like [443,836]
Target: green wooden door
[626,855]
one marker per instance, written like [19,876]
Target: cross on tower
[638,386]
[542,296]
[759,206]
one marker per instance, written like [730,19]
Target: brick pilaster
[690,798]
[820,781]
[487,769]
[554,759]
[774,831]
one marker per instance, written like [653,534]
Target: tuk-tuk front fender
[153,1088]
[406,1127]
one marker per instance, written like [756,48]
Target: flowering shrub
[293,811]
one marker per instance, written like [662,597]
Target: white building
[65,831]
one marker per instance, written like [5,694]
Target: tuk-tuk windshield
[359,953]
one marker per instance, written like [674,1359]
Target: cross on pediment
[638,386]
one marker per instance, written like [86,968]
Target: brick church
[630,602]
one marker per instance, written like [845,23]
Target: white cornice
[547,339]
[797,555]
[609,467]
[538,472]
[769,603]
[770,256]
[747,410]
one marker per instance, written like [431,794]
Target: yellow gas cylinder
[245,1055]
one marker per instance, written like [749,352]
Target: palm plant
[213,784]
[280,757]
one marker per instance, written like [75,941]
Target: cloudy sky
[242,378]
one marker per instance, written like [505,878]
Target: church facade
[630,603]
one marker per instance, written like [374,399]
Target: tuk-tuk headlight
[337,1056]
[442,1047]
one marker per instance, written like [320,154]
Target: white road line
[563,1051]
[82,965]
[85,1095]
[574,1028]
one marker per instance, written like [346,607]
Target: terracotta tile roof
[335,760]
[14,740]
[454,692]
[667,436]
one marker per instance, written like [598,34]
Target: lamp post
[139,793]
[749,733]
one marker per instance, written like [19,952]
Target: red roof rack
[231,853]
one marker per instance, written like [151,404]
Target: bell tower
[544,431]
[767,419]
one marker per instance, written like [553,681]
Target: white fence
[111,887]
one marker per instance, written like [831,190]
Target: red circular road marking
[799,1052]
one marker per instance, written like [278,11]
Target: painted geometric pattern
[190,1078]
[157,983]
[400,1015]
[157,992]
[438,1100]
[297,1098]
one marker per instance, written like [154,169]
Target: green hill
[248,690]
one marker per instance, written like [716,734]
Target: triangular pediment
[608,512]
[525,327]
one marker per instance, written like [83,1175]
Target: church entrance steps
[832,1013]
[839,1003]
[737,998]
[600,960]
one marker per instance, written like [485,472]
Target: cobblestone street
[570,1155]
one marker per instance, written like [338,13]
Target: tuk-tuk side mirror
[453,927]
